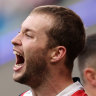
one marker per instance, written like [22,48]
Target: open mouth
[19,61]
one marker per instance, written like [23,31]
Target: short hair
[67,30]
[88,53]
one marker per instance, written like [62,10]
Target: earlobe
[90,75]
[58,53]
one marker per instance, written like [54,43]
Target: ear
[90,75]
[58,53]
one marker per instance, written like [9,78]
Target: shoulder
[80,93]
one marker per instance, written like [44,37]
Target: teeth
[16,53]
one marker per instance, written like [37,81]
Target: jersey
[27,93]
[75,89]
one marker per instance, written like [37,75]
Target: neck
[53,85]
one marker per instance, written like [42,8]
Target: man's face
[30,50]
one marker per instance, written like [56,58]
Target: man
[87,65]
[50,39]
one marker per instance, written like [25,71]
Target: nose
[17,40]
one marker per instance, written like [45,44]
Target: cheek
[28,46]
[29,51]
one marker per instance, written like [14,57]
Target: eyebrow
[27,29]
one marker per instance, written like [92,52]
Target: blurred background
[12,14]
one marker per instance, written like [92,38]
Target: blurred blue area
[6,53]
[86,9]
[1,22]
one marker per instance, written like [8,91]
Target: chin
[17,77]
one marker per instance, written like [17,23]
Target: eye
[28,35]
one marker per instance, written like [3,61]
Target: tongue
[17,67]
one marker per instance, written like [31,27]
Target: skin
[90,76]
[31,42]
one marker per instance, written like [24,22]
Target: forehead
[37,22]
